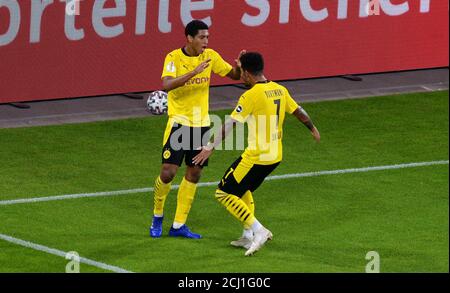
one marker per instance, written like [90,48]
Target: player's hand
[203,155]
[316,135]
[202,67]
[238,60]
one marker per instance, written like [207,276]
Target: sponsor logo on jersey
[197,80]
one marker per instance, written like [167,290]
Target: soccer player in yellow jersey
[186,77]
[263,107]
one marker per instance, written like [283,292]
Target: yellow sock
[247,198]
[236,207]
[161,190]
[185,198]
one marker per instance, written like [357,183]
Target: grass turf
[321,224]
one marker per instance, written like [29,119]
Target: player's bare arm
[171,83]
[235,73]
[303,117]
[217,140]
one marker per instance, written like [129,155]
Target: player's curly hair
[194,26]
[252,62]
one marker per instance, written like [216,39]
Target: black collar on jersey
[264,81]
[185,53]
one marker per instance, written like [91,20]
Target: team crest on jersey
[239,109]
[171,67]
[166,154]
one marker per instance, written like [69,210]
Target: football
[157,102]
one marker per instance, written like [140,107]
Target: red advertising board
[69,48]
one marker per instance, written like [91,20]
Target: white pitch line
[61,253]
[358,170]
[275,177]
[70,196]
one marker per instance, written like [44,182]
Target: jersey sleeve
[291,104]
[220,66]
[170,66]
[243,109]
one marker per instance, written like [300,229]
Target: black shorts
[242,176]
[182,143]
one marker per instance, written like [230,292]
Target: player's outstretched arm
[303,117]
[171,83]
[208,149]
[235,73]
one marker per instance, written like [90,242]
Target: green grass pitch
[321,224]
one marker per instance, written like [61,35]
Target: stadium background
[119,46]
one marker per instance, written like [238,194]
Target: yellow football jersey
[189,104]
[263,107]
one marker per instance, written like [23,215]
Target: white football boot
[242,242]
[245,241]
[259,239]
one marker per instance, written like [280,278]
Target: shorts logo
[239,109]
[166,154]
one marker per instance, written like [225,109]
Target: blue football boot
[156,228]
[183,232]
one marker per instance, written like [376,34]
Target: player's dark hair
[252,62]
[194,26]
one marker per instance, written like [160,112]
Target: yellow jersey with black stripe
[189,104]
[263,107]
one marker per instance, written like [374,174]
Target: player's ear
[190,38]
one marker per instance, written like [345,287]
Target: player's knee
[167,174]
[193,174]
